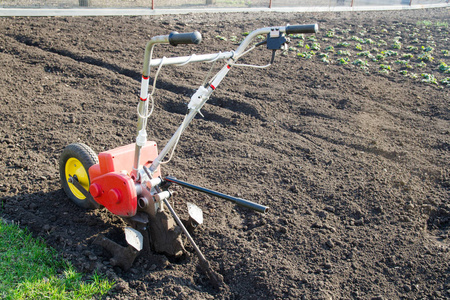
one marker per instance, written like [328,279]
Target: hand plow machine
[127,180]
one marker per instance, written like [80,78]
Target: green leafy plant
[222,38]
[441,24]
[343,61]
[425,23]
[426,56]
[389,53]
[429,78]
[422,64]
[445,81]
[306,55]
[382,43]
[358,39]
[397,45]
[412,48]
[234,39]
[404,63]
[358,47]
[427,49]
[364,53]
[444,68]
[329,49]
[380,56]
[404,72]
[315,46]
[445,52]
[362,63]
[299,36]
[344,53]
[385,67]
[407,56]
[343,44]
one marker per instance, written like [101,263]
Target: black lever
[242,202]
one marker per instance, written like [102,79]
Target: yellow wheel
[75,161]
[75,168]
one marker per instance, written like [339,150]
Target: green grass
[31,270]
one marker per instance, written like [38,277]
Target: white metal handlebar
[213,56]
[232,56]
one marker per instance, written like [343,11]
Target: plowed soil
[353,163]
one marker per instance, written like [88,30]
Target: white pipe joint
[162,196]
[200,95]
[141,139]
[153,182]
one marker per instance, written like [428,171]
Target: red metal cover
[111,184]
[117,192]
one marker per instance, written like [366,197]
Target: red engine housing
[111,183]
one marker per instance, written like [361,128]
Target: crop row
[416,51]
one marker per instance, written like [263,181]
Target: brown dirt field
[353,163]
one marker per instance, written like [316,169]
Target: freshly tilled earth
[353,163]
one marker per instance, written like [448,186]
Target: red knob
[114,196]
[96,190]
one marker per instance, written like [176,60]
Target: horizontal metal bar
[192,58]
[242,202]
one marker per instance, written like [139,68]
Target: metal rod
[204,264]
[242,202]
[196,58]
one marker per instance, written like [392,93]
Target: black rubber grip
[176,38]
[308,28]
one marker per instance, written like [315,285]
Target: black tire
[69,161]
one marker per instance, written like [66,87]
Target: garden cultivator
[128,181]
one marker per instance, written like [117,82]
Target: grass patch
[31,270]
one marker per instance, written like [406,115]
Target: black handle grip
[176,38]
[308,28]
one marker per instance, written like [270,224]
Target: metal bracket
[276,40]
[74,181]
